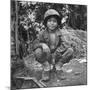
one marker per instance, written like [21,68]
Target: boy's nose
[51,22]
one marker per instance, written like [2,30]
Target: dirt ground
[75,73]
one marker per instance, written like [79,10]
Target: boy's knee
[67,55]
[70,50]
[42,56]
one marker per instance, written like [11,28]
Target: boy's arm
[38,41]
[63,44]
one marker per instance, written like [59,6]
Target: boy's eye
[52,20]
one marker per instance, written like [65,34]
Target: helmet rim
[52,13]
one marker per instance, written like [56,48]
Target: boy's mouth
[52,28]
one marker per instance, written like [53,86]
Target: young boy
[50,49]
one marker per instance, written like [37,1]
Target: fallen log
[38,84]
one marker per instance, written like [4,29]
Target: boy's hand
[58,53]
[38,52]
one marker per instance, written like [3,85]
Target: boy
[50,49]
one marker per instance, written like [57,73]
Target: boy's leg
[67,55]
[46,71]
[42,55]
[64,59]
[44,58]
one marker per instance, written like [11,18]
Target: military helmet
[52,12]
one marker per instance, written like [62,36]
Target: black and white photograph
[48,44]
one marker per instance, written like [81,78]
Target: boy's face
[52,23]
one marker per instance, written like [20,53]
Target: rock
[75,65]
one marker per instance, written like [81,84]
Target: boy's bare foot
[60,75]
[45,76]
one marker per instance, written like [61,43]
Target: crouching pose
[51,50]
